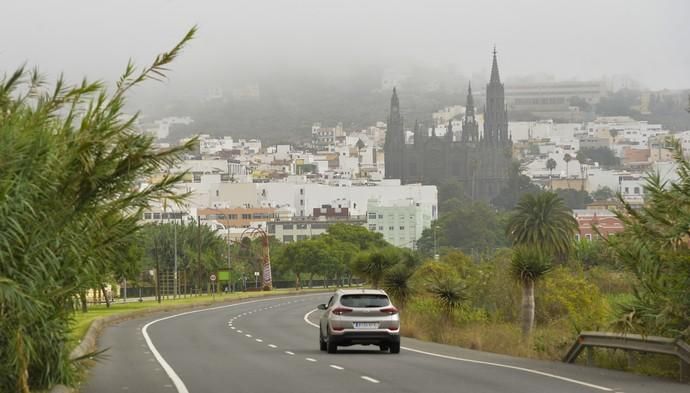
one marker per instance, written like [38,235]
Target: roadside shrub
[566,293]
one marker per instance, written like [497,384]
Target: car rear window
[364,300]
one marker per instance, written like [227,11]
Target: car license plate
[366,325]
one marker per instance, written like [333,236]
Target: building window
[588,236]
[637,190]
[301,202]
[147,216]
[372,227]
[301,237]
[287,226]
[627,190]
[232,216]
[156,216]
[380,227]
[372,216]
[301,191]
[402,228]
[288,238]
[391,228]
[577,236]
[246,216]
[217,193]
[380,216]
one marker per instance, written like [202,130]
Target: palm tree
[397,283]
[450,292]
[567,157]
[373,265]
[550,165]
[528,265]
[543,221]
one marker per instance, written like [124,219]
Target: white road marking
[259,340]
[272,346]
[248,335]
[310,359]
[290,353]
[337,367]
[370,379]
[179,385]
[232,327]
[524,369]
[239,331]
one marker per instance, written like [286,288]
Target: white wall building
[304,197]
[401,222]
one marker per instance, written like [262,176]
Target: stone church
[480,161]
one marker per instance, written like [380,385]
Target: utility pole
[198,220]
[158,268]
[175,257]
[229,275]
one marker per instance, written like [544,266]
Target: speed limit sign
[213,277]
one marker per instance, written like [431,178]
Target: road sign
[213,277]
[256,274]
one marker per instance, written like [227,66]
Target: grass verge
[82,321]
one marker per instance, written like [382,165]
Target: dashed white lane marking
[370,379]
[310,359]
[527,370]
[238,331]
[337,367]
[272,346]
[259,340]
[232,327]
[290,353]
[248,335]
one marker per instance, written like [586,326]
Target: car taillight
[337,329]
[341,310]
[389,310]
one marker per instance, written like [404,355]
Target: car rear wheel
[331,346]
[395,347]
[322,344]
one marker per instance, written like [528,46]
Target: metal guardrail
[632,342]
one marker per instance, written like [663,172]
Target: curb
[89,343]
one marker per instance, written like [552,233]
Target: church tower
[394,145]
[495,114]
[470,128]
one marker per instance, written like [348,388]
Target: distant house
[605,222]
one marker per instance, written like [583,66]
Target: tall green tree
[654,247]
[70,199]
[542,220]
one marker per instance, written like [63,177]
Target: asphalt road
[271,345]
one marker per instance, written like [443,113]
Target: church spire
[495,78]
[469,111]
[395,103]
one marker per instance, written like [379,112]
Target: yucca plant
[396,282]
[70,167]
[528,265]
[450,292]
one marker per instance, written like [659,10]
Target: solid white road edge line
[370,379]
[337,367]
[179,385]
[527,370]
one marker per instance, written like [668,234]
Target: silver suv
[359,316]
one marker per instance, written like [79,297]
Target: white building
[304,197]
[401,222]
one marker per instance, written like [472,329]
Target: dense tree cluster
[70,162]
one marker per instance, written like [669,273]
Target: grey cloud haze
[648,40]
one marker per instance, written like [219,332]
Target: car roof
[360,291]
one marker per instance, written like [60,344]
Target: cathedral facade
[480,162]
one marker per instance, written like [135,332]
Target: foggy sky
[574,39]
